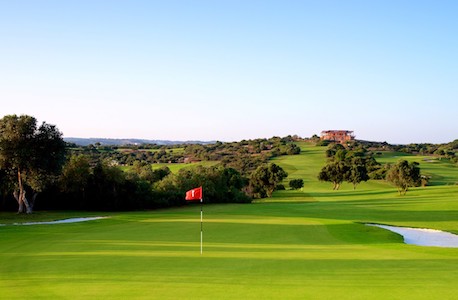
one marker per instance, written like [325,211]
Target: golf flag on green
[197,194]
[194,194]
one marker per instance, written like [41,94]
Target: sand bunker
[71,220]
[423,236]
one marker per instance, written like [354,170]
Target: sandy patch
[423,236]
[71,220]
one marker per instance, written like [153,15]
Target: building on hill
[340,136]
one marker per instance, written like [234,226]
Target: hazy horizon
[233,70]
[224,141]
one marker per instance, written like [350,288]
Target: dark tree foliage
[144,171]
[92,179]
[75,177]
[334,172]
[356,174]
[101,187]
[30,153]
[296,184]
[352,165]
[220,185]
[292,149]
[404,175]
[264,180]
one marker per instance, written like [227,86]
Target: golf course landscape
[310,243]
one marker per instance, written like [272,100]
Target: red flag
[194,194]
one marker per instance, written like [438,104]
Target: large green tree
[31,153]
[75,176]
[404,175]
[350,164]
[357,170]
[296,184]
[264,180]
[334,172]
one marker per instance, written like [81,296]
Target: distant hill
[121,142]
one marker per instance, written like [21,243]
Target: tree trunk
[19,202]
[20,197]
[28,207]
[23,203]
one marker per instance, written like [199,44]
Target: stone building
[340,136]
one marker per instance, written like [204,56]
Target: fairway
[309,244]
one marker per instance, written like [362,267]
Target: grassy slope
[175,167]
[442,171]
[298,245]
[178,166]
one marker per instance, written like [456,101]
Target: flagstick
[201,222]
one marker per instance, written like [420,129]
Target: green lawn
[173,150]
[308,244]
[178,166]
[175,167]
[442,171]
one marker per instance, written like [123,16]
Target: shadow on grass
[353,193]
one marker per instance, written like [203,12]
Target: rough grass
[308,244]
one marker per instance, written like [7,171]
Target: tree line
[244,156]
[352,166]
[38,169]
[356,164]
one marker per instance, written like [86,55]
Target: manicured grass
[442,171]
[173,150]
[176,167]
[308,244]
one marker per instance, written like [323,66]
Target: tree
[404,175]
[296,184]
[292,149]
[335,172]
[34,154]
[6,185]
[107,186]
[265,178]
[357,173]
[333,148]
[144,171]
[160,173]
[75,176]
[220,184]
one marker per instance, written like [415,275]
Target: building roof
[336,131]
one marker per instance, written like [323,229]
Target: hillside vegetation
[38,170]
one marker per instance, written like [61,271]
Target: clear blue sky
[233,70]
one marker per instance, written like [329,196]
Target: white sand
[71,220]
[423,236]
